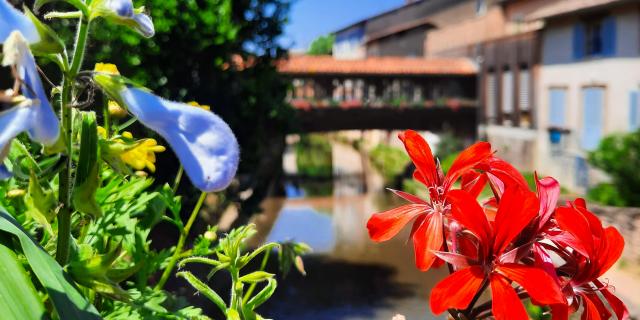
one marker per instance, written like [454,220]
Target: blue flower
[33,115]
[4,172]
[203,142]
[12,19]
[123,12]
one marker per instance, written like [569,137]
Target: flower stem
[64,192]
[184,233]
[176,182]
[263,265]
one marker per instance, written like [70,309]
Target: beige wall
[618,75]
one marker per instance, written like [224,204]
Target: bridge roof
[305,64]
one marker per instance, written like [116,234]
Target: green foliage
[313,156]
[607,194]
[449,144]
[79,200]
[391,162]
[232,257]
[619,156]
[322,45]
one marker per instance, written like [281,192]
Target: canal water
[349,277]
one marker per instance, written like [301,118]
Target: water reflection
[348,276]
[304,224]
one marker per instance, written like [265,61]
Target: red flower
[427,232]
[517,208]
[602,247]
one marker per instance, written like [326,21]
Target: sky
[310,19]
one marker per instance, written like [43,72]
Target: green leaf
[233,315]
[87,178]
[18,298]
[204,289]
[49,42]
[78,4]
[262,296]
[65,297]
[256,276]
[40,203]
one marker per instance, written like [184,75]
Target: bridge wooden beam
[461,121]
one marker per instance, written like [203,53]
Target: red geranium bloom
[517,208]
[427,232]
[603,247]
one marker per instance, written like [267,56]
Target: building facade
[588,85]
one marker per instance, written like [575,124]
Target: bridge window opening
[491,97]
[507,97]
[524,82]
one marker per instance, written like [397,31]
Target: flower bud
[16,193]
[115,110]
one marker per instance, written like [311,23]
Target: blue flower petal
[144,25]
[123,8]
[4,172]
[203,142]
[44,126]
[12,19]
[13,122]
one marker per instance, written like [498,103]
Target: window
[523,97]
[634,110]
[592,112]
[507,95]
[491,97]
[595,36]
[557,102]
[481,7]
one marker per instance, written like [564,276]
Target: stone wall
[627,220]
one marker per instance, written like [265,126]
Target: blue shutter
[633,111]
[557,98]
[579,45]
[593,101]
[609,36]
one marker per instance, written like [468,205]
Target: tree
[619,156]
[219,53]
[322,45]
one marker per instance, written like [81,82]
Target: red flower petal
[457,290]
[473,182]
[572,221]
[590,310]
[407,196]
[611,250]
[548,192]
[466,160]
[616,304]
[385,225]
[506,304]
[516,210]
[540,286]
[421,155]
[457,260]
[427,239]
[504,171]
[466,210]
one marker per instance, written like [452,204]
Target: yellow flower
[102,132]
[201,106]
[143,155]
[115,110]
[106,68]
